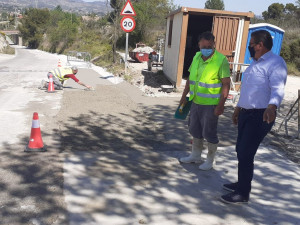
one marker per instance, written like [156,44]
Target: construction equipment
[235,81]
[155,59]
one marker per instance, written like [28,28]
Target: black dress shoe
[230,187]
[234,198]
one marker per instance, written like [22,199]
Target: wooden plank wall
[225,30]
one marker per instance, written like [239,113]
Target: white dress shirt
[263,82]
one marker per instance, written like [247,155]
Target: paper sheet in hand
[185,111]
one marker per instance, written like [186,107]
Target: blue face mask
[206,51]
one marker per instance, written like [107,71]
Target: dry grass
[8,50]
[292,69]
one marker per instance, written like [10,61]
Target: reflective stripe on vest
[206,90]
[209,85]
[209,95]
[61,72]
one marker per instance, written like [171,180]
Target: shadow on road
[119,160]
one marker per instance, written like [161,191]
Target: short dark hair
[264,37]
[207,35]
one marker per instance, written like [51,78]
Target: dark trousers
[251,132]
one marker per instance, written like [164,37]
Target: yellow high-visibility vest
[206,90]
[61,72]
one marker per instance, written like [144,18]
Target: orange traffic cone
[51,84]
[35,142]
[59,63]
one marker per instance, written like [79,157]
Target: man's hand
[235,115]
[219,110]
[184,93]
[183,100]
[270,114]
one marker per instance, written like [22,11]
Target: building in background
[183,29]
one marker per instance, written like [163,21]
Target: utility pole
[15,18]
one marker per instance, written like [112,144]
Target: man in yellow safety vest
[61,74]
[208,86]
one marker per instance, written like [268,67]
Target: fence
[292,111]
[79,58]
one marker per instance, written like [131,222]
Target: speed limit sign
[127,24]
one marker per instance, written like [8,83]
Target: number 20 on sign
[127,24]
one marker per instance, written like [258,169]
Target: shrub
[297,63]
[295,49]
[286,52]
[292,69]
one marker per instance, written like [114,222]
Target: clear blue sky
[256,6]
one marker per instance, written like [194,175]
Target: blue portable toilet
[276,33]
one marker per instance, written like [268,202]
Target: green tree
[63,29]
[33,26]
[290,8]
[4,15]
[275,11]
[295,53]
[150,16]
[214,4]
[114,19]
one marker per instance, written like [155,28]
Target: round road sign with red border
[127,23]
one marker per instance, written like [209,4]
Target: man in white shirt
[262,91]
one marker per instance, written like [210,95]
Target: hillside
[78,6]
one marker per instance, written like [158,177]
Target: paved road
[19,78]
[121,167]
[31,184]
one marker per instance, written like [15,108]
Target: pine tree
[214,4]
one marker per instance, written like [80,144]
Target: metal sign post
[126,52]
[127,25]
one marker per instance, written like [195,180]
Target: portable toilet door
[276,33]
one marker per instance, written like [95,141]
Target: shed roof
[211,12]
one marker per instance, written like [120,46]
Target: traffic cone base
[35,142]
[27,149]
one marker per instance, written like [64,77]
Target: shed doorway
[197,24]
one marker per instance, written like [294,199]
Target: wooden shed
[184,27]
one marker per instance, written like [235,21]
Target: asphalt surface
[113,159]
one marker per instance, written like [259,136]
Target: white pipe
[238,47]
[240,41]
